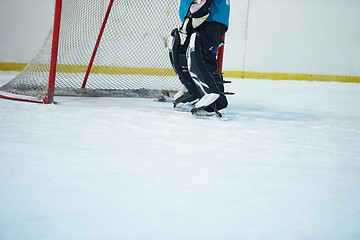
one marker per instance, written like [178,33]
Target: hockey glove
[198,12]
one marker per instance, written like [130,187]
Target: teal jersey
[219,11]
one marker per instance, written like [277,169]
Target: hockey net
[131,59]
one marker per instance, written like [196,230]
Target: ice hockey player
[194,54]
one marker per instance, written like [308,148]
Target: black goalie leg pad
[198,71]
[179,62]
[212,99]
[221,102]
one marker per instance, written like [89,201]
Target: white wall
[24,24]
[285,36]
[292,36]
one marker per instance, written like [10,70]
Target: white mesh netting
[132,57]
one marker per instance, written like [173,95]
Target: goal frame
[49,97]
[54,52]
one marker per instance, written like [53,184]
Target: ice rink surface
[284,163]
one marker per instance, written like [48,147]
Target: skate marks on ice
[240,112]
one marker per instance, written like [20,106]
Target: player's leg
[190,92]
[202,63]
